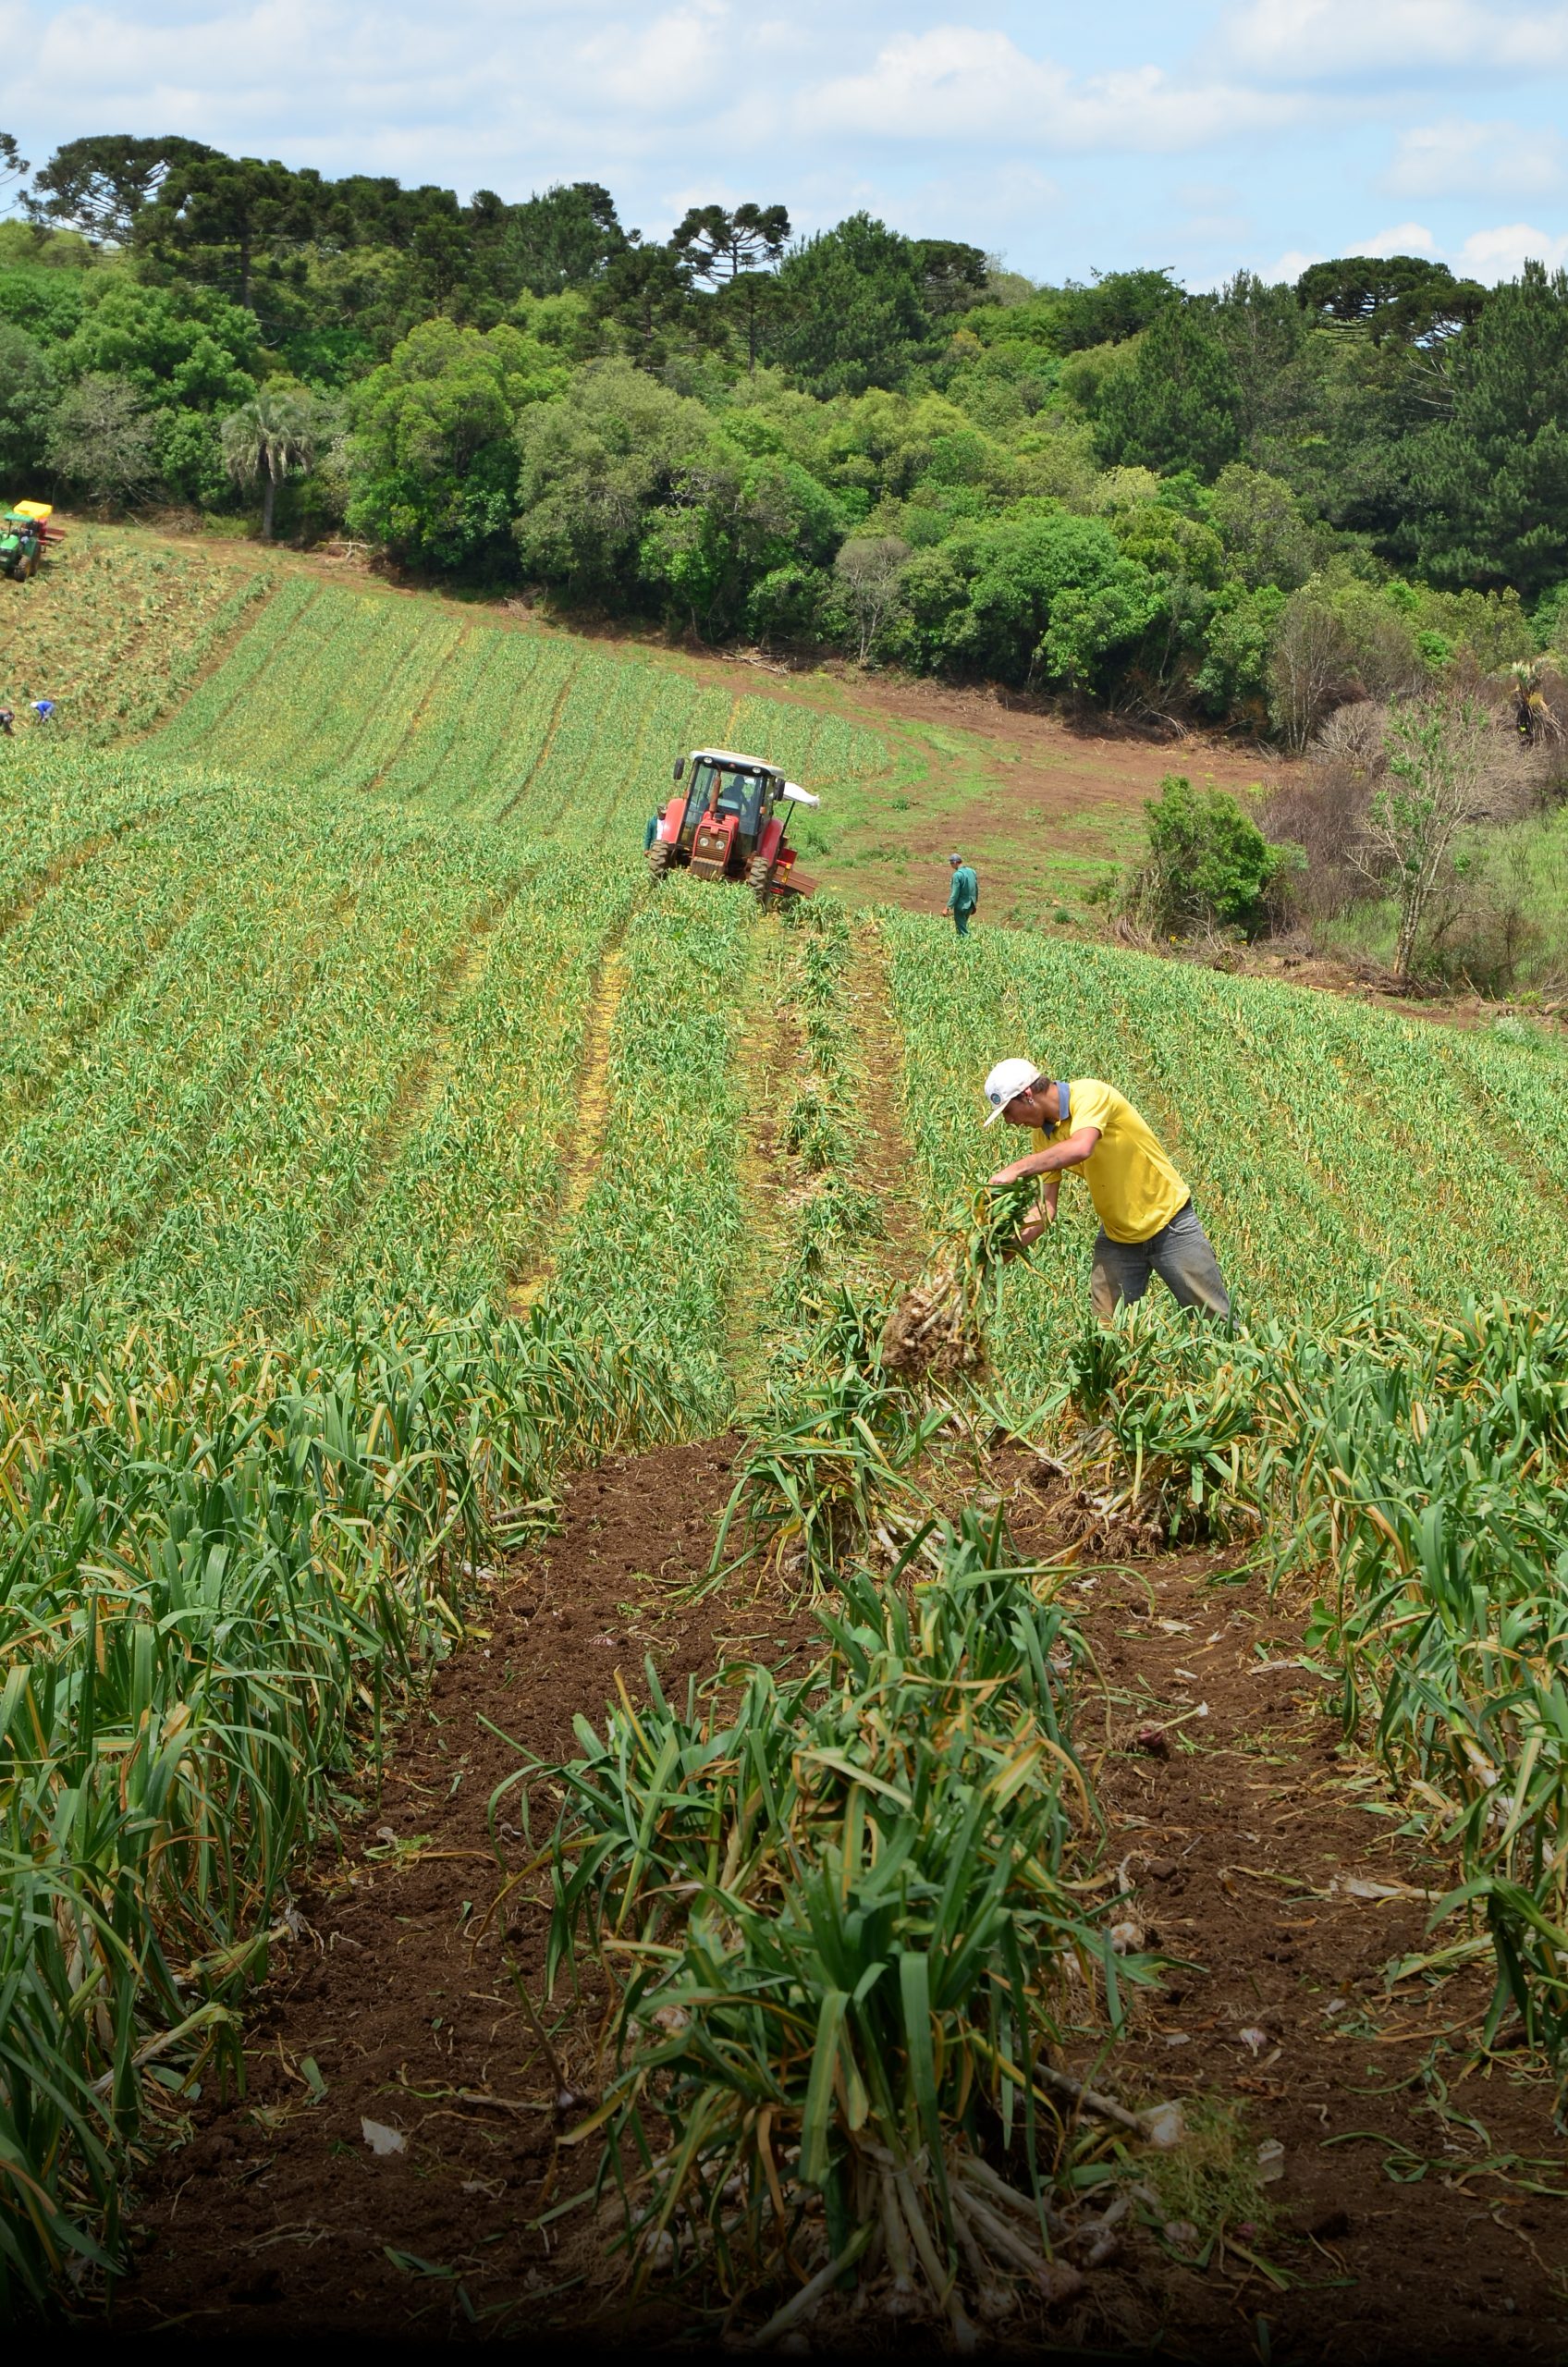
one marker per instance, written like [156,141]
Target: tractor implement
[25,534]
[728,822]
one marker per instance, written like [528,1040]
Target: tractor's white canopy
[792,789]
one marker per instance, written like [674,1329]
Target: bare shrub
[870,569]
[1311,666]
[1321,808]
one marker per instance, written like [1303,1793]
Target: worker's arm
[1029,1231]
[1051,1161]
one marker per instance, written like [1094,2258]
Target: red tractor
[729,824]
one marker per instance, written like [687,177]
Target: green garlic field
[377,1145]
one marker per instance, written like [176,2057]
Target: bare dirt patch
[1421,2211]
[276,2215]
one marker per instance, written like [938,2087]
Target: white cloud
[1461,159]
[675,59]
[1330,40]
[1404,239]
[962,83]
[1490,255]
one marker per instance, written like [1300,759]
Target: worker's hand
[1006,1175]
[1024,1240]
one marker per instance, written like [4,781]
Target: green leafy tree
[727,520]
[1235,673]
[983,601]
[270,439]
[1491,479]
[185,348]
[792,605]
[1267,538]
[223,220]
[99,186]
[1177,404]
[431,457]
[27,394]
[1168,544]
[566,239]
[1407,298]
[1107,309]
[644,298]
[1208,865]
[850,310]
[591,472]
[1092,625]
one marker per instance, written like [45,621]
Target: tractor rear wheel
[658,859]
[759,879]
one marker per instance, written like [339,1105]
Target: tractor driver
[1148,1224]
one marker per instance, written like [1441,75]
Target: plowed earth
[277,2215]
[1420,2212]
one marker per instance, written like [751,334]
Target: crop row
[1413,1456]
[467,1192]
[1332,1152]
[114,632]
[256,1037]
[222,1573]
[651,1253]
[359,690]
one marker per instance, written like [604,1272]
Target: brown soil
[1420,2214]
[277,2216]
[1423,2208]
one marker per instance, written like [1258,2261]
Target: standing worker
[963,896]
[651,833]
[1147,1225]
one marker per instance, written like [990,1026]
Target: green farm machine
[25,534]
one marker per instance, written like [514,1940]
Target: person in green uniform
[651,833]
[963,896]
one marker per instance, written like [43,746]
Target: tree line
[1248,505]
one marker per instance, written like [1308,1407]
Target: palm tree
[272,437]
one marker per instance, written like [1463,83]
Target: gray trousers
[1180,1253]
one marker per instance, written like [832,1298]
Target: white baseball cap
[1007,1080]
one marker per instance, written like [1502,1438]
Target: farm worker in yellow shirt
[1146,1211]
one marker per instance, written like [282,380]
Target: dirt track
[1395,2237]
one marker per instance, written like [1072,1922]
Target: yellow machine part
[39,510]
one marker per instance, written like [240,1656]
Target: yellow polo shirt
[1132,1183]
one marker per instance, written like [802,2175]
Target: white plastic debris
[382,2139]
[1163,2125]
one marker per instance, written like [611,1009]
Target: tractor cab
[728,821]
[24,532]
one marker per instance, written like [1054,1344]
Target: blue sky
[1265,132]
